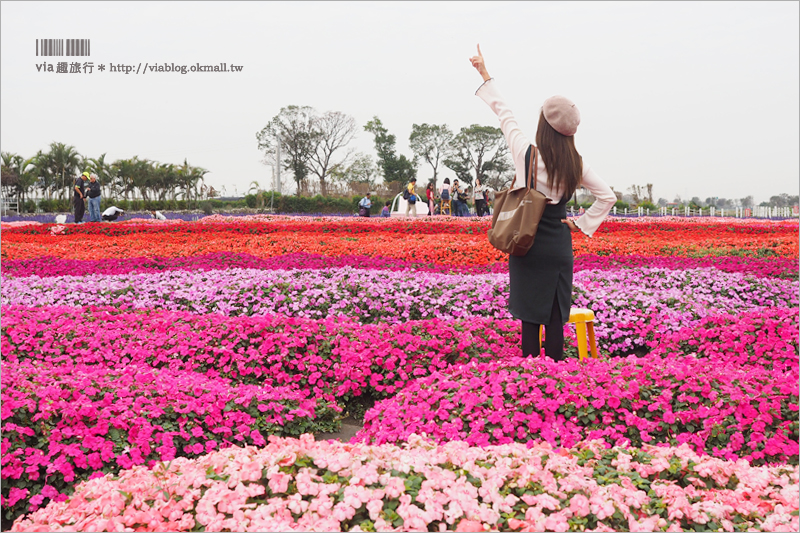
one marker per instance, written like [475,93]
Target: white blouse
[519,143]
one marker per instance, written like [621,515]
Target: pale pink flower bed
[304,485]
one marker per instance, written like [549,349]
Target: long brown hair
[561,159]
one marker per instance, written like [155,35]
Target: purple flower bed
[630,305]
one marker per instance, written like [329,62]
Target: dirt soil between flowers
[350,426]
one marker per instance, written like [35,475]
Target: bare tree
[637,194]
[334,131]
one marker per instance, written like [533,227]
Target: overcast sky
[697,98]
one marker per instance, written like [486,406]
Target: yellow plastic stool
[584,321]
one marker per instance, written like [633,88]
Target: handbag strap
[532,168]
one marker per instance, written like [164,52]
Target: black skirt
[545,272]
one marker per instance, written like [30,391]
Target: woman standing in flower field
[479,198]
[540,282]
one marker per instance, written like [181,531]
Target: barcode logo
[58,47]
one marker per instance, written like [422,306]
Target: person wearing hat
[93,194]
[540,283]
[79,198]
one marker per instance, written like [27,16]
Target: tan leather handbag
[517,213]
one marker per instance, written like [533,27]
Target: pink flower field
[177,382]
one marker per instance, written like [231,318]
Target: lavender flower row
[629,304]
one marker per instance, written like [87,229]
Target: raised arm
[518,143]
[479,64]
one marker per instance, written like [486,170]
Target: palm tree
[65,160]
[44,165]
[188,178]
[126,171]
[105,173]
[164,180]
[21,174]
[26,177]
[8,173]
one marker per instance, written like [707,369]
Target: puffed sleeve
[604,202]
[518,143]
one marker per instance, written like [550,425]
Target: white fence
[736,212]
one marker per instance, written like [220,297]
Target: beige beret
[562,114]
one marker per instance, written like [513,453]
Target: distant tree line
[315,145]
[52,174]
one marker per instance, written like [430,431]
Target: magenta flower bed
[717,406]
[765,338]
[331,359]
[74,421]
[778,267]
[303,485]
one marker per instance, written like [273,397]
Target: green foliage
[621,205]
[395,168]
[362,170]
[322,204]
[64,206]
[480,152]
[55,205]
[585,205]
[431,142]
[293,130]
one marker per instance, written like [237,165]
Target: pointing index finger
[479,50]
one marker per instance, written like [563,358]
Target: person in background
[112,213]
[411,206]
[454,192]
[540,282]
[364,206]
[79,198]
[385,211]
[444,194]
[488,194]
[93,194]
[429,192]
[158,215]
[463,195]
[478,198]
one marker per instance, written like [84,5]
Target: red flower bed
[443,242]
